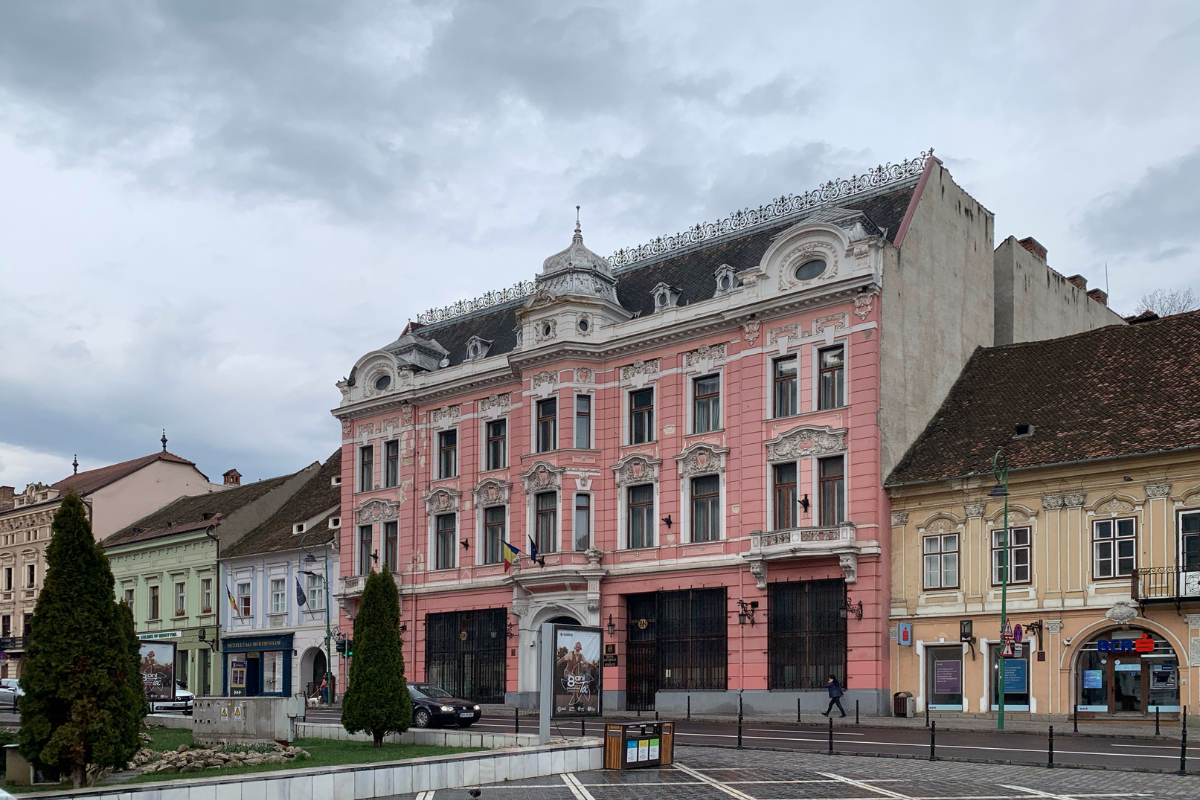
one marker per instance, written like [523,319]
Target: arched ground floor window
[1130,671]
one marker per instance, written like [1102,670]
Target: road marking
[713,782]
[864,785]
[1147,746]
[838,731]
[576,787]
[425,795]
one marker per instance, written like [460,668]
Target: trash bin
[638,744]
[903,705]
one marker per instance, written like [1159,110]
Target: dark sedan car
[433,707]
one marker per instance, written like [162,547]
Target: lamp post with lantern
[1000,472]
[310,543]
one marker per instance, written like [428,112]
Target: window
[366,468]
[546,523]
[180,599]
[128,600]
[391,539]
[205,596]
[1113,548]
[30,575]
[583,522]
[445,541]
[641,416]
[833,490]
[493,534]
[243,599]
[810,269]
[641,516]
[785,497]
[391,460]
[941,561]
[364,549]
[547,425]
[583,421]
[1189,540]
[27,624]
[8,579]
[1019,552]
[497,440]
[831,392]
[153,602]
[706,509]
[447,454]
[785,386]
[706,404]
[316,593]
[6,626]
[278,596]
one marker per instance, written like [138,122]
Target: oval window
[724,281]
[583,325]
[662,299]
[810,269]
[383,382]
[546,329]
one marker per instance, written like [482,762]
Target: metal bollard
[1050,751]
[656,715]
[739,744]
[689,707]
[516,720]
[1183,753]
[926,713]
[933,741]
[831,736]
[1075,717]
[797,710]
[855,712]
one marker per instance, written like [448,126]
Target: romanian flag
[232,603]
[510,554]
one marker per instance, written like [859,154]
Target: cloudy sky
[209,210]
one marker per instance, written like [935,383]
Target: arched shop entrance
[1133,671]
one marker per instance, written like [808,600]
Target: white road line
[1148,746]
[713,782]
[868,787]
[1069,795]
[837,731]
[576,787]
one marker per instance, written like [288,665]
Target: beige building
[115,496]
[1102,435]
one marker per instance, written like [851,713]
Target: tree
[136,684]
[376,698]
[1165,302]
[80,708]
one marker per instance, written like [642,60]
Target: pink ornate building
[693,433]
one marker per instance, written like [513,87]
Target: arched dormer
[830,244]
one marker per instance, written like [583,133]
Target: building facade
[692,435]
[1102,569]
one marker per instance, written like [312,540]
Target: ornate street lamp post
[1000,471]
[310,543]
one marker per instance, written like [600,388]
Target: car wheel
[421,718]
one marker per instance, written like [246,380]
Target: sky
[209,211]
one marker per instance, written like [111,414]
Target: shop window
[1020,552]
[1015,676]
[1127,671]
[786,509]
[944,678]
[784,372]
[940,554]
[1114,548]
[806,634]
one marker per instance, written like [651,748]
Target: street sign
[1018,634]
[1007,652]
[904,634]
[1008,631]
[1018,650]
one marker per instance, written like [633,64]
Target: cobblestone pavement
[713,774]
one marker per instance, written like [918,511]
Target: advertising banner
[158,670]
[576,671]
[947,677]
[1016,672]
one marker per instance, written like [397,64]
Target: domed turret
[576,257]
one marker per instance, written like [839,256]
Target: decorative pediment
[446,415]
[1115,503]
[542,477]
[442,501]
[701,459]
[492,492]
[495,405]
[704,356]
[636,468]
[1189,497]
[377,510]
[806,440]
[645,369]
[1017,514]
[939,523]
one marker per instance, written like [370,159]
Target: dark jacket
[835,688]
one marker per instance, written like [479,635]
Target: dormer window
[810,269]
[335,523]
[665,296]
[298,527]
[383,382]
[726,280]
[477,348]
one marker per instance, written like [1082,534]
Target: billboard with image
[158,670]
[576,671]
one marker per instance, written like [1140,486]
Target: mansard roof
[316,501]
[1116,391]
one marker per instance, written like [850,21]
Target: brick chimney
[6,498]
[1099,295]
[1034,246]
[1079,281]
[233,478]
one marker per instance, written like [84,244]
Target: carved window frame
[434,509]
[624,477]
[827,442]
[532,488]
[485,437]
[482,502]
[689,467]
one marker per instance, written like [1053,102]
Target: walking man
[835,696]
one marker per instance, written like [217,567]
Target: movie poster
[576,672]
[158,670]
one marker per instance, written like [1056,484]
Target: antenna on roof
[75,464]
[1106,277]
[164,440]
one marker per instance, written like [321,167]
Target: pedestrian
[325,690]
[835,696]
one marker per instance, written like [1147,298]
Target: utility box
[903,705]
[245,719]
[633,745]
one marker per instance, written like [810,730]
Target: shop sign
[1016,674]
[1093,679]
[904,634]
[146,637]
[1143,644]
[947,677]
[610,660]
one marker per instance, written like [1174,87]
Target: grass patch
[167,738]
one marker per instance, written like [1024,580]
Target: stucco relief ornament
[583,375]
[1052,502]
[543,378]
[445,414]
[806,440]
[704,353]
[636,469]
[701,459]
[406,414]
[940,526]
[1115,505]
[545,330]
[593,556]
[347,428]
[862,304]
[974,509]
[366,430]
[750,330]
[899,519]
[593,606]
[1122,612]
[492,491]
[836,321]
[1054,626]
[1158,490]
[377,510]
[801,256]
[496,403]
[1074,499]
[639,367]
[759,570]
[790,331]
[849,564]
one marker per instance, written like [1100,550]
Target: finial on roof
[75,464]
[577,228]
[164,440]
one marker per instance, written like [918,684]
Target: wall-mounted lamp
[404,627]
[667,519]
[849,608]
[804,503]
[746,612]
[510,630]
[612,629]
[466,543]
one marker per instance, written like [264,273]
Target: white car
[10,691]
[183,702]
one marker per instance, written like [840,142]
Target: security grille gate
[806,634]
[677,640]
[465,653]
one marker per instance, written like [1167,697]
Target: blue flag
[301,597]
[533,553]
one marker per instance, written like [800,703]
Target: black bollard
[831,736]
[926,714]
[1156,732]
[933,741]
[797,710]
[689,706]
[1075,717]
[582,726]
[1050,751]
[516,720]
[1183,753]
[739,744]
[855,712]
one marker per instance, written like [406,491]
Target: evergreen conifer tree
[80,708]
[376,698]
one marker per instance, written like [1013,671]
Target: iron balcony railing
[1165,584]
[8,643]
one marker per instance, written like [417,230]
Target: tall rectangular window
[546,523]
[27,624]
[494,518]
[447,454]
[497,444]
[706,404]
[6,626]
[940,561]
[391,460]
[785,497]
[547,425]
[391,541]
[641,516]
[1114,548]
[706,509]
[206,597]
[364,549]
[366,468]
[1189,540]
[278,596]
[243,599]
[30,575]
[1020,551]
[583,522]
[833,489]
[831,392]
[8,579]
[180,599]
[445,541]
[641,416]
[784,378]
[153,602]
[315,593]
[128,602]
[583,421]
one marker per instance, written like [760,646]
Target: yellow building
[1101,432]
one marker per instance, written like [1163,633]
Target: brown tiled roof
[87,482]
[317,496]
[1115,391]
[193,513]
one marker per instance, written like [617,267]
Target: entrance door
[253,674]
[1120,672]
[465,653]
[641,659]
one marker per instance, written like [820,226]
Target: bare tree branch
[1165,302]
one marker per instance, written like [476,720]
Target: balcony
[1176,585]
[12,643]
[836,540]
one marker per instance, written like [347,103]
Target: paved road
[710,774]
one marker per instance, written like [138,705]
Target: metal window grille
[806,634]
[465,653]
[677,640]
